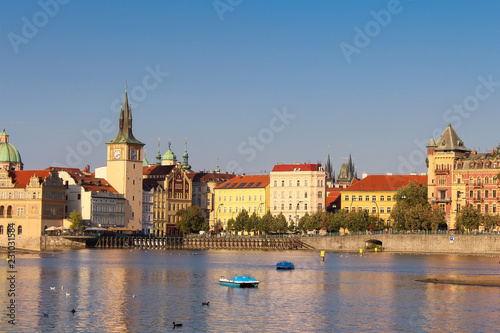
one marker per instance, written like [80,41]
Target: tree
[76,220]
[491,221]
[265,223]
[304,222]
[241,221]
[469,218]
[230,224]
[252,223]
[412,209]
[280,225]
[191,220]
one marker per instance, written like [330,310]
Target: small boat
[285,265]
[239,282]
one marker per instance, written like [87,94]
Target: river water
[145,291]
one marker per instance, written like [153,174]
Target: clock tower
[124,168]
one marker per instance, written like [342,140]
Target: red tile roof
[87,180]
[385,183]
[161,171]
[210,176]
[246,180]
[297,167]
[22,178]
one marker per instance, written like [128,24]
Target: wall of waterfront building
[415,243]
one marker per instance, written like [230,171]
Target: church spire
[158,156]
[125,124]
[217,170]
[185,156]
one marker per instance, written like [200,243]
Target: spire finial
[126,85]
[169,143]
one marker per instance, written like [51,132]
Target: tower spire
[217,170]
[158,156]
[125,134]
[185,156]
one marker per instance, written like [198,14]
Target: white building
[297,189]
[147,208]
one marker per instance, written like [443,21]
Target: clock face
[133,154]
[117,153]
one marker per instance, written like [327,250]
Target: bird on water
[73,311]
[176,325]
[207,303]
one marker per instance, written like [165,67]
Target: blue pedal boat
[285,265]
[239,282]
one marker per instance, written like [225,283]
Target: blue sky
[252,82]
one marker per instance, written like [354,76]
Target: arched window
[9,211]
[320,206]
[320,194]
[1,229]
[1,211]
[486,180]
[20,230]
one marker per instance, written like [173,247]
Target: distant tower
[185,157]
[330,176]
[124,167]
[169,157]
[217,170]
[347,173]
[158,156]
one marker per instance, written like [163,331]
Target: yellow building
[30,202]
[375,194]
[250,193]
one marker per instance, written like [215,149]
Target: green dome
[169,155]
[9,154]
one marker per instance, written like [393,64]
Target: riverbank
[467,280]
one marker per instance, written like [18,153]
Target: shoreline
[465,280]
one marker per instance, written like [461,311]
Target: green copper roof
[145,162]
[8,153]
[169,155]
[3,132]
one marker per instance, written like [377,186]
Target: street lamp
[297,216]
[216,221]
[378,216]
[258,208]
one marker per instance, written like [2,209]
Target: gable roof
[376,183]
[87,180]
[297,167]
[21,178]
[200,177]
[245,182]
[157,171]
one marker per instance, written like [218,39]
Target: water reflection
[145,291]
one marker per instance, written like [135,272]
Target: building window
[20,230]
[298,182]
[494,193]
[249,198]
[290,206]
[389,198]
[346,198]
[230,197]
[471,194]
[320,194]
[275,183]
[486,180]
[486,207]
[367,209]
[305,182]
[367,198]
[382,210]
[320,206]
[230,208]
[360,198]
[224,198]
[305,195]
[290,183]
[282,183]
[374,198]
[486,194]
[388,210]
[382,198]
[494,208]
[20,211]
[374,210]
[479,207]
[282,207]
[305,206]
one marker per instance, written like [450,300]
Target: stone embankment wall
[466,244]
[57,243]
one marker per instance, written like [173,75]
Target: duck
[176,325]
[68,294]
[46,315]
[207,303]
[52,288]
[73,311]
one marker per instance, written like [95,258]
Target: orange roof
[297,167]
[333,193]
[87,180]
[22,178]
[240,182]
[385,183]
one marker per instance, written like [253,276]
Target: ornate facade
[459,177]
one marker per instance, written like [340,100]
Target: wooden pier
[203,243]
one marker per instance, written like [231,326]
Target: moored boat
[286,265]
[239,282]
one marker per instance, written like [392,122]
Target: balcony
[478,185]
[478,200]
[441,200]
[442,172]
